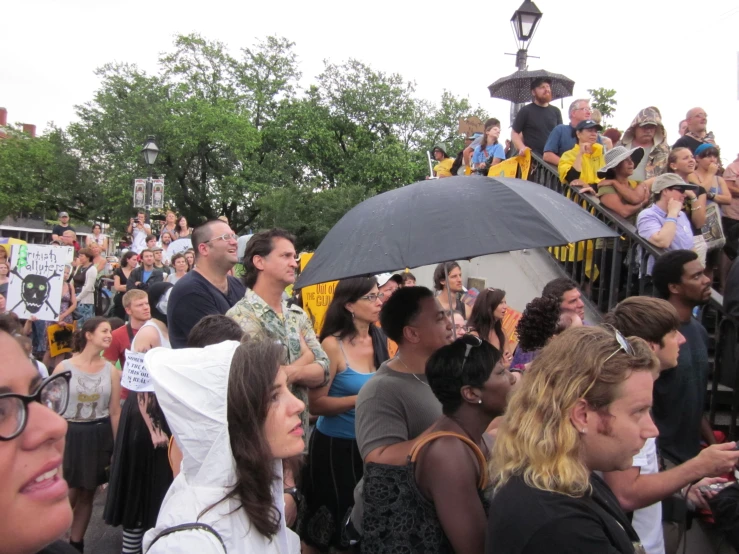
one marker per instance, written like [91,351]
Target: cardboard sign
[60,337]
[135,376]
[36,277]
[179,246]
[316,298]
[470,126]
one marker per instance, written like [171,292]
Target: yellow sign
[60,338]
[316,298]
[510,167]
[509,323]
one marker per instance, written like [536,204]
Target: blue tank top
[346,383]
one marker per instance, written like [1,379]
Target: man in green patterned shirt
[269,265]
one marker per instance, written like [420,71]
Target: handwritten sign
[135,376]
[316,298]
[178,246]
[36,276]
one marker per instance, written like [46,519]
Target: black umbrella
[517,86]
[457,218]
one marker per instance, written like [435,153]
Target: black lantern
[150,151]
[524,22]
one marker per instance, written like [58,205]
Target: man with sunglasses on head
[208,289]
[642,488]
[664,223]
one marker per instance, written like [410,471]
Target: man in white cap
[388,283]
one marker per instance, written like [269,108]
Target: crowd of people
[410,423]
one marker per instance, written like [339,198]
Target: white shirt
[647,522]
[139,238]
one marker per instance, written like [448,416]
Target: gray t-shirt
[640,171]
[393,407]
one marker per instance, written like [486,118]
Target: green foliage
[604,100]
[238,137]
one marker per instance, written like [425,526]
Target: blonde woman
[583,406]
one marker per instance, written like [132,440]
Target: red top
[116,352]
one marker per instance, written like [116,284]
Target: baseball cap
[63,214]
[588,124]
[667,180]
[383,278]
[539,81]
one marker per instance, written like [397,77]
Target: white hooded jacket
[191,386]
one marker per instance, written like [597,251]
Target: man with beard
[646,131]
[679,393]
[536,120]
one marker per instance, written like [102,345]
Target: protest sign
[178,246]
[316,298]
[135,376]
[60,338]
[36,277]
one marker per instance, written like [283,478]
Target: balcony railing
[609,271]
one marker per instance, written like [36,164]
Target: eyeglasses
[623,344]
[470,341]
[224,237]
[53,393]
[679,188]
[373,297]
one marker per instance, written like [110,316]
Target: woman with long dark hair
[233,415]
[92,415]
[355,347]
[129,261]
[141,474]
[486,321]
[182,230]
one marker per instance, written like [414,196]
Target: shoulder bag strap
[483,481]
[196,526]
[129,330]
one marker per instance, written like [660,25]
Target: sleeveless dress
[140,475]
[89,441]
[334,468]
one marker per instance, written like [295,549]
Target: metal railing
[610,270]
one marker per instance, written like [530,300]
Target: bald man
[696,133]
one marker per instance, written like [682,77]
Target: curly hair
[538,323]
[537,440]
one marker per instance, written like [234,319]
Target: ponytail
[79,340]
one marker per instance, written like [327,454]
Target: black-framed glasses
[373,297]
[470,342]
[623,344]
[680,188]
[53,393]
[224,237]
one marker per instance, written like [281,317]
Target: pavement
[100,537]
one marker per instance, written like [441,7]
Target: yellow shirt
[444,167]
[591,163]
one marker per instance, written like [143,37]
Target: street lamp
[150,152]
[524,22]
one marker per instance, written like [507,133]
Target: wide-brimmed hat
[440,147]
[618,154]
[667,180]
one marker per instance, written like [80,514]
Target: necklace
[409,370]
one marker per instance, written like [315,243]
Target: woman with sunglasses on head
[443,488]
[232,413]
[355,347]
[664,223]
[34,500]
[140,474]
[92,414]
[486,321]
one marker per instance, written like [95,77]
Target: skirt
[334,468]
[140,475]
[87,452]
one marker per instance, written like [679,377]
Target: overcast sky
[653,52]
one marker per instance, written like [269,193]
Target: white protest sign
[178,246]
[135,376]
[36,277]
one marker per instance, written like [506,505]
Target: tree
[603,100]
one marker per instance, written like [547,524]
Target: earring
[352,314]
[479,401]
[583,430]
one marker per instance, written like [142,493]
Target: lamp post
[524,22]
[150,152]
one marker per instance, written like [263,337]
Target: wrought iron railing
[610,270]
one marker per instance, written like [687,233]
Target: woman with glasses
[442,488]
[486,320]
[355,347]
[664,223]
[582,408]
[92,415]
[34,500]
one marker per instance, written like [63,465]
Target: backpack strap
[483,481]
[195,526]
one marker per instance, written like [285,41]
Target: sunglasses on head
[470,342]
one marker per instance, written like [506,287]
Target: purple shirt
[650,221]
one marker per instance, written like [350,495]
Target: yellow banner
[60,337]
[510,167]
[316,298]
[509,323]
